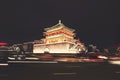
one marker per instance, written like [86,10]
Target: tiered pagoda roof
[59,25]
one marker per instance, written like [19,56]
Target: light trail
[73,73]
[3,64]
[115,62]
[32,62]
[73,66]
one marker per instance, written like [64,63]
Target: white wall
[53,48]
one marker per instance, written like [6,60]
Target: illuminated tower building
[58,39]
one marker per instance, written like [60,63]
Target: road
[50,70]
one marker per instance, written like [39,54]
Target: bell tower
[58,33]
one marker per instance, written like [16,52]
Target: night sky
[95,21]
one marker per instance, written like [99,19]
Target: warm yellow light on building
[58,39]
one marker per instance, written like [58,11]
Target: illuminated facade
[58,39]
